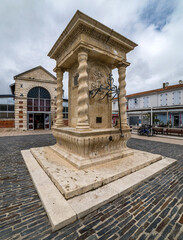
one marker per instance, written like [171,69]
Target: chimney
[163,85]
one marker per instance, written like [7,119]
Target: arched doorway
[38,109]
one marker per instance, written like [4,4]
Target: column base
[91,147]
[82,126]
[59,124]
[125,126]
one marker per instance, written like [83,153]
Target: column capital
[123,64]
[83,50]
[59,69]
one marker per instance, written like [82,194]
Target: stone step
[57,208]
[61,212]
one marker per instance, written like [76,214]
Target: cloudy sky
[29,28]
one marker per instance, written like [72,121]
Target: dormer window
[76,79]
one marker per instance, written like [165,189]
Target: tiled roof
[168,88]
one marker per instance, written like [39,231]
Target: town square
[84,154]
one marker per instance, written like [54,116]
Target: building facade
[35,99]
[32,104]
[165,104]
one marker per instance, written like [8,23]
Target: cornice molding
[82,23]
[123,64]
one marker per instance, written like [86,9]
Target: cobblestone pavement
[4,132]
[161,138]
[153,210]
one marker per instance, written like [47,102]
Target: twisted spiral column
[83,92]
[122,94]
[59,119]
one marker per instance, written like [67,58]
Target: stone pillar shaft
[83,92]
[122,98]
[59,102]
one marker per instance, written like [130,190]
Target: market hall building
[32,104]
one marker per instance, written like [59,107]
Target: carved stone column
[83,91]
[59,119]
[122,95]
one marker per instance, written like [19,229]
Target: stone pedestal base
[72,181]
[88,148]
[68,194]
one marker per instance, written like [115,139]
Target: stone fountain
[89,153]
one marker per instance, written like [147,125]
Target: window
[38,92]
[176,98]
[38,100]
[11,108]
[146,102]
[11,115]
[3,107]
[65,112]
[163,99]
[3,115]
[76,79]
[6,107]
[131,103]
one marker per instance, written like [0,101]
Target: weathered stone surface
[58,210]
[86,203]
[89,51]
[89,148]
[72,181]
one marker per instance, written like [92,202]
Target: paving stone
[166,231]
[164,213]
[181,219]
[153,225]
[175,232]
[85,235]
[160,195]
[143,237]
[110,233]
[180,237]
[127,235]
[89,226]
[92,237]
[115,236]
[152,237]
[126,227]
[162,224]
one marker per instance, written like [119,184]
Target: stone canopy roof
[96,37]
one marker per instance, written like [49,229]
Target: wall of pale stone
[97,74]
[22,88]
[39,73]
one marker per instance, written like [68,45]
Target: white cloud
[158,57]
[30,28]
